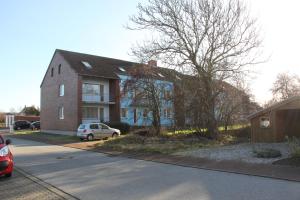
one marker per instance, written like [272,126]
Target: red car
[6,158]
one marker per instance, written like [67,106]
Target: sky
[31,30]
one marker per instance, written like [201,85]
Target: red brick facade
[51,101]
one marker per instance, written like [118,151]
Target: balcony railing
[94,120]
[106,98]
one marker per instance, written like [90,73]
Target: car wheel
[81,139]
[115,135]
[8,175]
[90,137]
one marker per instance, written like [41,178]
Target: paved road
[90,175]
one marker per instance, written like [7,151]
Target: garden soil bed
[295,162]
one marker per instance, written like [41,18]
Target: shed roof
[275,106]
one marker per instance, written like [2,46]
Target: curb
[48,186]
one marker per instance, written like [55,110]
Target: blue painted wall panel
[126,100]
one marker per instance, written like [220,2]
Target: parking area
[26,187]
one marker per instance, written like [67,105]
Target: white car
[92,131]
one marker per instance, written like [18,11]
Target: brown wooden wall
[284,122]
[259,134]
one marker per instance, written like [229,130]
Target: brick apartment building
[79,88]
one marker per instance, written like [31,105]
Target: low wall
[28,118]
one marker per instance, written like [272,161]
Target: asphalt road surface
[91,175]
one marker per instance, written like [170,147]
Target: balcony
[99,99]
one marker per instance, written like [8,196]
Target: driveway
[90,175]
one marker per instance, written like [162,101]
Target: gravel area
[240,152]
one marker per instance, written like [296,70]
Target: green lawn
[45,137]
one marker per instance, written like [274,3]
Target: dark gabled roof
[109,67]
[275,106]
[101,66]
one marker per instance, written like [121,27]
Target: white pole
[6,120]
[11,128]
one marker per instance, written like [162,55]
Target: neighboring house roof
[108,67]
[275,106]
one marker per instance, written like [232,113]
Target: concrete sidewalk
[24,186]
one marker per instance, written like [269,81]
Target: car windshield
[82,126]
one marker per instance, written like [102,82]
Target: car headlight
[4,151]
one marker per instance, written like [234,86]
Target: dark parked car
[35,125]
[22,124]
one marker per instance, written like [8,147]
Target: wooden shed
[273,124]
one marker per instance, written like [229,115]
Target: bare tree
[2,117]
[234,105]
[286,86]
[148,93]
[213,40]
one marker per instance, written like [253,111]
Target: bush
[294,144]
[142,132]
[243,132]
[267,153]
[123,127]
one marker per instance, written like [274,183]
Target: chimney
[152,63]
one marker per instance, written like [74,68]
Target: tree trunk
[212,126]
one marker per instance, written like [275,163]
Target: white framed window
[122,69]
[167,94]
[90,113]
[87,64]
[167,113]
[61,90]
[145,113]
[61,112]
[159,74]
[124,112]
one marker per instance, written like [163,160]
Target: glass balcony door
[92,92]
[92,114]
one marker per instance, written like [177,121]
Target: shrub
[243,132]
[142,132]
[123,127]
[267,153]
[294,144]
